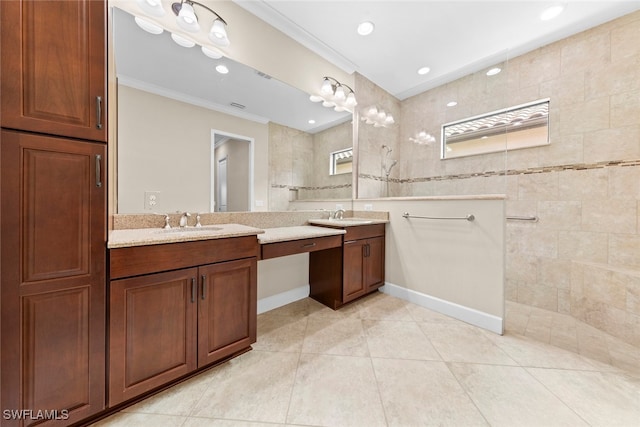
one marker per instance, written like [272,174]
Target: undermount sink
[203,229]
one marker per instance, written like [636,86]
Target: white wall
[454,267]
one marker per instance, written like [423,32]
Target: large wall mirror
[177,107]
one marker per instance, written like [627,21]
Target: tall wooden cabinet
[52,211]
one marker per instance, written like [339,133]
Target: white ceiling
[453,38]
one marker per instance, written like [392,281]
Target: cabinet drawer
[137,260]
[364,231]
[274,250]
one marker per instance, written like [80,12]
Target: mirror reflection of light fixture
[151,7]
[423,138]
[332,95]
[376,117]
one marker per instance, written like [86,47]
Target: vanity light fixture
[333,95]
[151,7]
[187,19]
[377,117]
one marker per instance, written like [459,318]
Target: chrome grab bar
[469,217]
[523,218]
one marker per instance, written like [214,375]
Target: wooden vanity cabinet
[168,324]
[340,275]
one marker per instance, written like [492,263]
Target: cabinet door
[52,254]
[374,263]
[228,308]
[353,270]
[152,331]
[53,67]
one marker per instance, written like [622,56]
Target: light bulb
[187,19]
[326,88]
[340,96]
[218,33]
[351,100]
[151,7]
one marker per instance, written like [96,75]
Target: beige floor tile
[464,343]
[422,393]
[280,333]
[253,387]
[342,336]
[398,340]
[208,422]
[178,400]
[510,396]
[422,314]
[530,352]
[601,398]
[384,307]
[335,391]
[124,419]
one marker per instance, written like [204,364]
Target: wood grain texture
[274,250]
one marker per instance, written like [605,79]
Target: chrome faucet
[184,219]
[339,214]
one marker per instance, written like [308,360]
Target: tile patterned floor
[385,362]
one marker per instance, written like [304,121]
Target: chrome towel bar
[469,217]
[523,218]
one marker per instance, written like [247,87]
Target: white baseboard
[283,298]
[469,315]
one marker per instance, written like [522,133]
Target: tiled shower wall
[583,255]
[299,165]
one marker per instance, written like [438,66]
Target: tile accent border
[298,187]
[508,172]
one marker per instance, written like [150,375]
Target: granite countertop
[347,222]
[283,234]
[158,236]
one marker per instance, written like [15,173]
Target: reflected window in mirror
[512,128]
[341,161]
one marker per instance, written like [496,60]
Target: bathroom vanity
[179,306]
[352,270]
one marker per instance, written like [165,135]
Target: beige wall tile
[612,144]
[564,90]
[610,216]
[624,250]
[619,77]
[624,182]
[625,109]
[554,272]
[563,150]
[589,184]
[538,295]
[583,52]
[586,116]
[603,285]
[560,215]
[624,40]
[583,246]
[539,186]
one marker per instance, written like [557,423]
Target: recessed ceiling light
[312,122]
[452,104]
[365,28]
[222,69]
[424,70]
[551,12]
[494,71]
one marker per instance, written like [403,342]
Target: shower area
[572,276]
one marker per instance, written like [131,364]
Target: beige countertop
[158,236]
[346,222]
[283,234]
